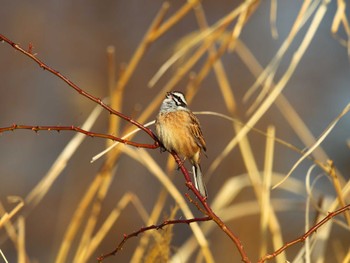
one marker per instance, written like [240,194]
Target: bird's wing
[197,132]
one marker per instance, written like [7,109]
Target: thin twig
[76,129]
[157,227]
[76,88]
[307,234]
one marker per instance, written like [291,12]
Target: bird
[179,131]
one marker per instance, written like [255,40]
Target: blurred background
[72,37]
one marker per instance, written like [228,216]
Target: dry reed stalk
[174,19]
[7,216]
[340,18]
[21,247]
[273,19]
[266,187]
[16,237]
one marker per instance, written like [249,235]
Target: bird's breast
[173,131]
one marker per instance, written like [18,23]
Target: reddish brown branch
[210,212]
[144,229]
[76,129]
[74,86]
[306,235]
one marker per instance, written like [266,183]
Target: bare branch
[306,235]
[144,229]
[77,129]
[75,87]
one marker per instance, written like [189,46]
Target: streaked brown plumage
[179,130]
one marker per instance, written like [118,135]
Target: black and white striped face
[174,100]
[178,97]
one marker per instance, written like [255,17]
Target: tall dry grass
[247,195]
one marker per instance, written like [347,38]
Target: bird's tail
[198,180]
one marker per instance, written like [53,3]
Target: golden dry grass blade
[128,135]
[347,257]
[273,18]
[323,235]
[9,227]
[276,232]
[307,245]
[268,216]
[21,248]
[266,184]
[335,205]
[5,216]
[340,18]
[170,22]
[318,142]
[115,95]
[237,30]
[145,159]
[42,188]
[338,188]
[311,189]
[111,68]
[15,234]
[3,256]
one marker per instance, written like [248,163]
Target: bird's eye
[179,100]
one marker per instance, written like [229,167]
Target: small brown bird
[178,129]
